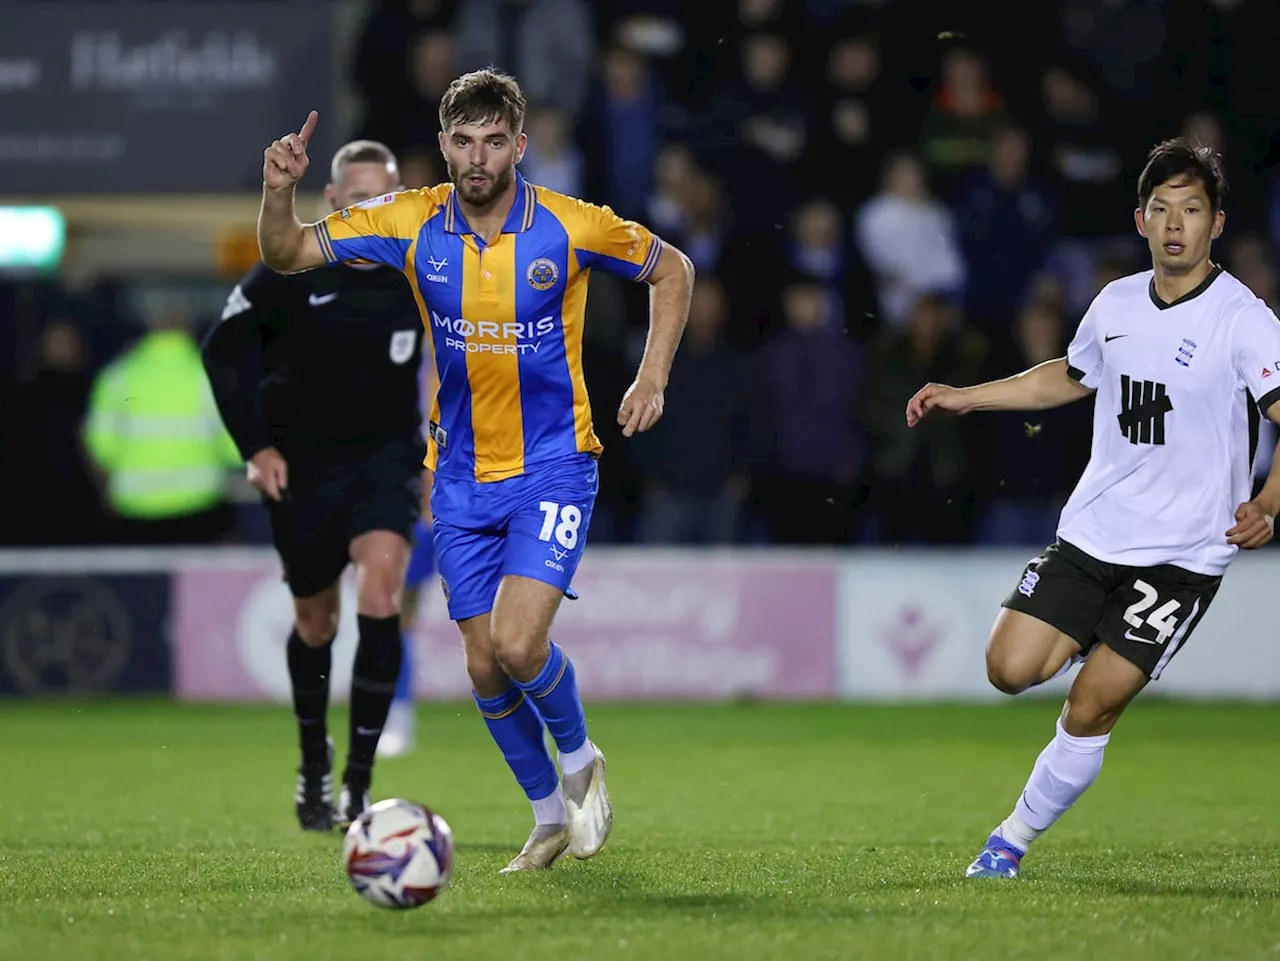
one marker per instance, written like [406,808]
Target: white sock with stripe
[1063,771]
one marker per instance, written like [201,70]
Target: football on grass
[398,854]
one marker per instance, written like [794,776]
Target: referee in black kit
[316,377]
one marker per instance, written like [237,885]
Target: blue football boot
[999,859]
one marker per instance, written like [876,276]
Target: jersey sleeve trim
[1267,399]
[651,261]
[325,242]
[1075,373]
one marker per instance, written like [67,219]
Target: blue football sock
[518,731]
[555,695]
[404,683]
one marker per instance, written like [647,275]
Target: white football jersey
[1179,390]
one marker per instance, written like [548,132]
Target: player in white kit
[1182,358]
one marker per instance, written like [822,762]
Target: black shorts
[328,506]
[1144,614]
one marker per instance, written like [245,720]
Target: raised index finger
[309,127]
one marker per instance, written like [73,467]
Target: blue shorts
[533,525]
[422,561]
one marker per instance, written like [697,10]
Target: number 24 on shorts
[561,523]
[1162,618]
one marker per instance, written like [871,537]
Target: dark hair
[483,97]
[1181,159]
[361,152]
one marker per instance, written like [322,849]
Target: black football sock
[373,685]
[309,669]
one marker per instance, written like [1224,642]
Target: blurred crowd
[872,199]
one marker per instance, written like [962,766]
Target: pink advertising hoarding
[660,625]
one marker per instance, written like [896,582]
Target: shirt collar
[518,221]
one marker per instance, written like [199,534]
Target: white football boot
[546,845]
[586,802]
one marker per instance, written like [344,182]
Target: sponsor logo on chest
[491,337]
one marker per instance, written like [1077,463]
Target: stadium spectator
[622,133]
[549,45]
[922,485]
[695,466]
[961,121]
[1006,225]
[154,434]
[908,239]
[808,440]
[552,159]
[41,457]
[736,134]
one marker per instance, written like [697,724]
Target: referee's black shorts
[329,505]
[1144,614]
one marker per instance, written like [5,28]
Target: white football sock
[577,760]
[1063,771]
[550,809]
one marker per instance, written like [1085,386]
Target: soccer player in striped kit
[499,268]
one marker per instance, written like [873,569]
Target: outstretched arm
[1046,385]
[286,243]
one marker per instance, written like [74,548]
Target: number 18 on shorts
[560,526]
[534,526]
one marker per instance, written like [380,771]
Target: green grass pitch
[147,830]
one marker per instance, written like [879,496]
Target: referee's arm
[232,353]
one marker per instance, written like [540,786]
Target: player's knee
[1009,675]
[1005,679]
[487,677]
[1086,715]
[1094,704]
[316,623]
[518,653]
[487,680]
[486,674]
[378,593]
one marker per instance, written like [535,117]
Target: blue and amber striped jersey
[505,319]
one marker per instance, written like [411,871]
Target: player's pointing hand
[285,161]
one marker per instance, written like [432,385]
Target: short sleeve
[1084,354]
[1255,351]
[378,230]
[603,240]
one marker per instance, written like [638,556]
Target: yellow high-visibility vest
[154,430]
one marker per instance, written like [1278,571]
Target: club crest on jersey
[1186,352]
[542,274]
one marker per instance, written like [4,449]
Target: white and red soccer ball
[398,854]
